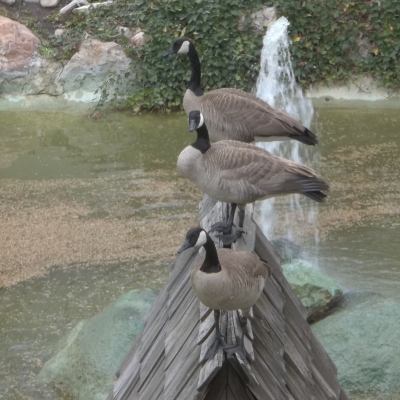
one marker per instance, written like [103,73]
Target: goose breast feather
[237,286]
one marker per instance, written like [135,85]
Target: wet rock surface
[87,358]
[363,340]
[318,293]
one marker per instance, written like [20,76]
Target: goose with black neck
[234,114]
[225,280]
[239,173]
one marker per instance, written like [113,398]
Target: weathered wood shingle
[289,362]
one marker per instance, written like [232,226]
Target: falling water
[277,86]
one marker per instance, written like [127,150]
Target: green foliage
[325,35]
[228,58]
[101,23]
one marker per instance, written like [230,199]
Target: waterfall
[277,86]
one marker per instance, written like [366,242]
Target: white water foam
[277,86]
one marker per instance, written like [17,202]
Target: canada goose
[233,114]
[226,280]
[241,173]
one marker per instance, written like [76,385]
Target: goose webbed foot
[223,227]
[230,350]
[236,349]
[228,240]
[218,344]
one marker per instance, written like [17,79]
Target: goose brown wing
[255,173]
[243,265]
[243,115]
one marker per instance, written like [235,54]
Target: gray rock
[317,292]
[363,340]
[93,65]
[259,21]
[98,65]
[90,354]
[364,49]
[39,76]
[59,32]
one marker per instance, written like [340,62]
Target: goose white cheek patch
[201,123]
[202,239]
[184,48]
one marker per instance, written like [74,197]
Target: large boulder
[89,355]
[94,64]
[17,46]
[39,76]
[363,340]
[317,292]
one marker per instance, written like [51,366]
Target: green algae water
[92,208]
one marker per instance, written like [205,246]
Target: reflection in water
[82,194]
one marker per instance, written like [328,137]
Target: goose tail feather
[315,189]
[306,137]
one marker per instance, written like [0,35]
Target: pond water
[91,208]
[360,223]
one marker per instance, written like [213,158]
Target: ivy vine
[326,37]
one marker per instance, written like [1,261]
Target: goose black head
[180,46]
[196,120]
[195,237]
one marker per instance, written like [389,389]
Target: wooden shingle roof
[289,362]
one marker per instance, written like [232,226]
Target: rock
[93,65]
[259,21]
[137,39]
[135,36]
[39,76]
[49,3]
[9,2]
[317,292]
[91,353]
[364,49]
[59,32]
[17,45]
[363,341]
